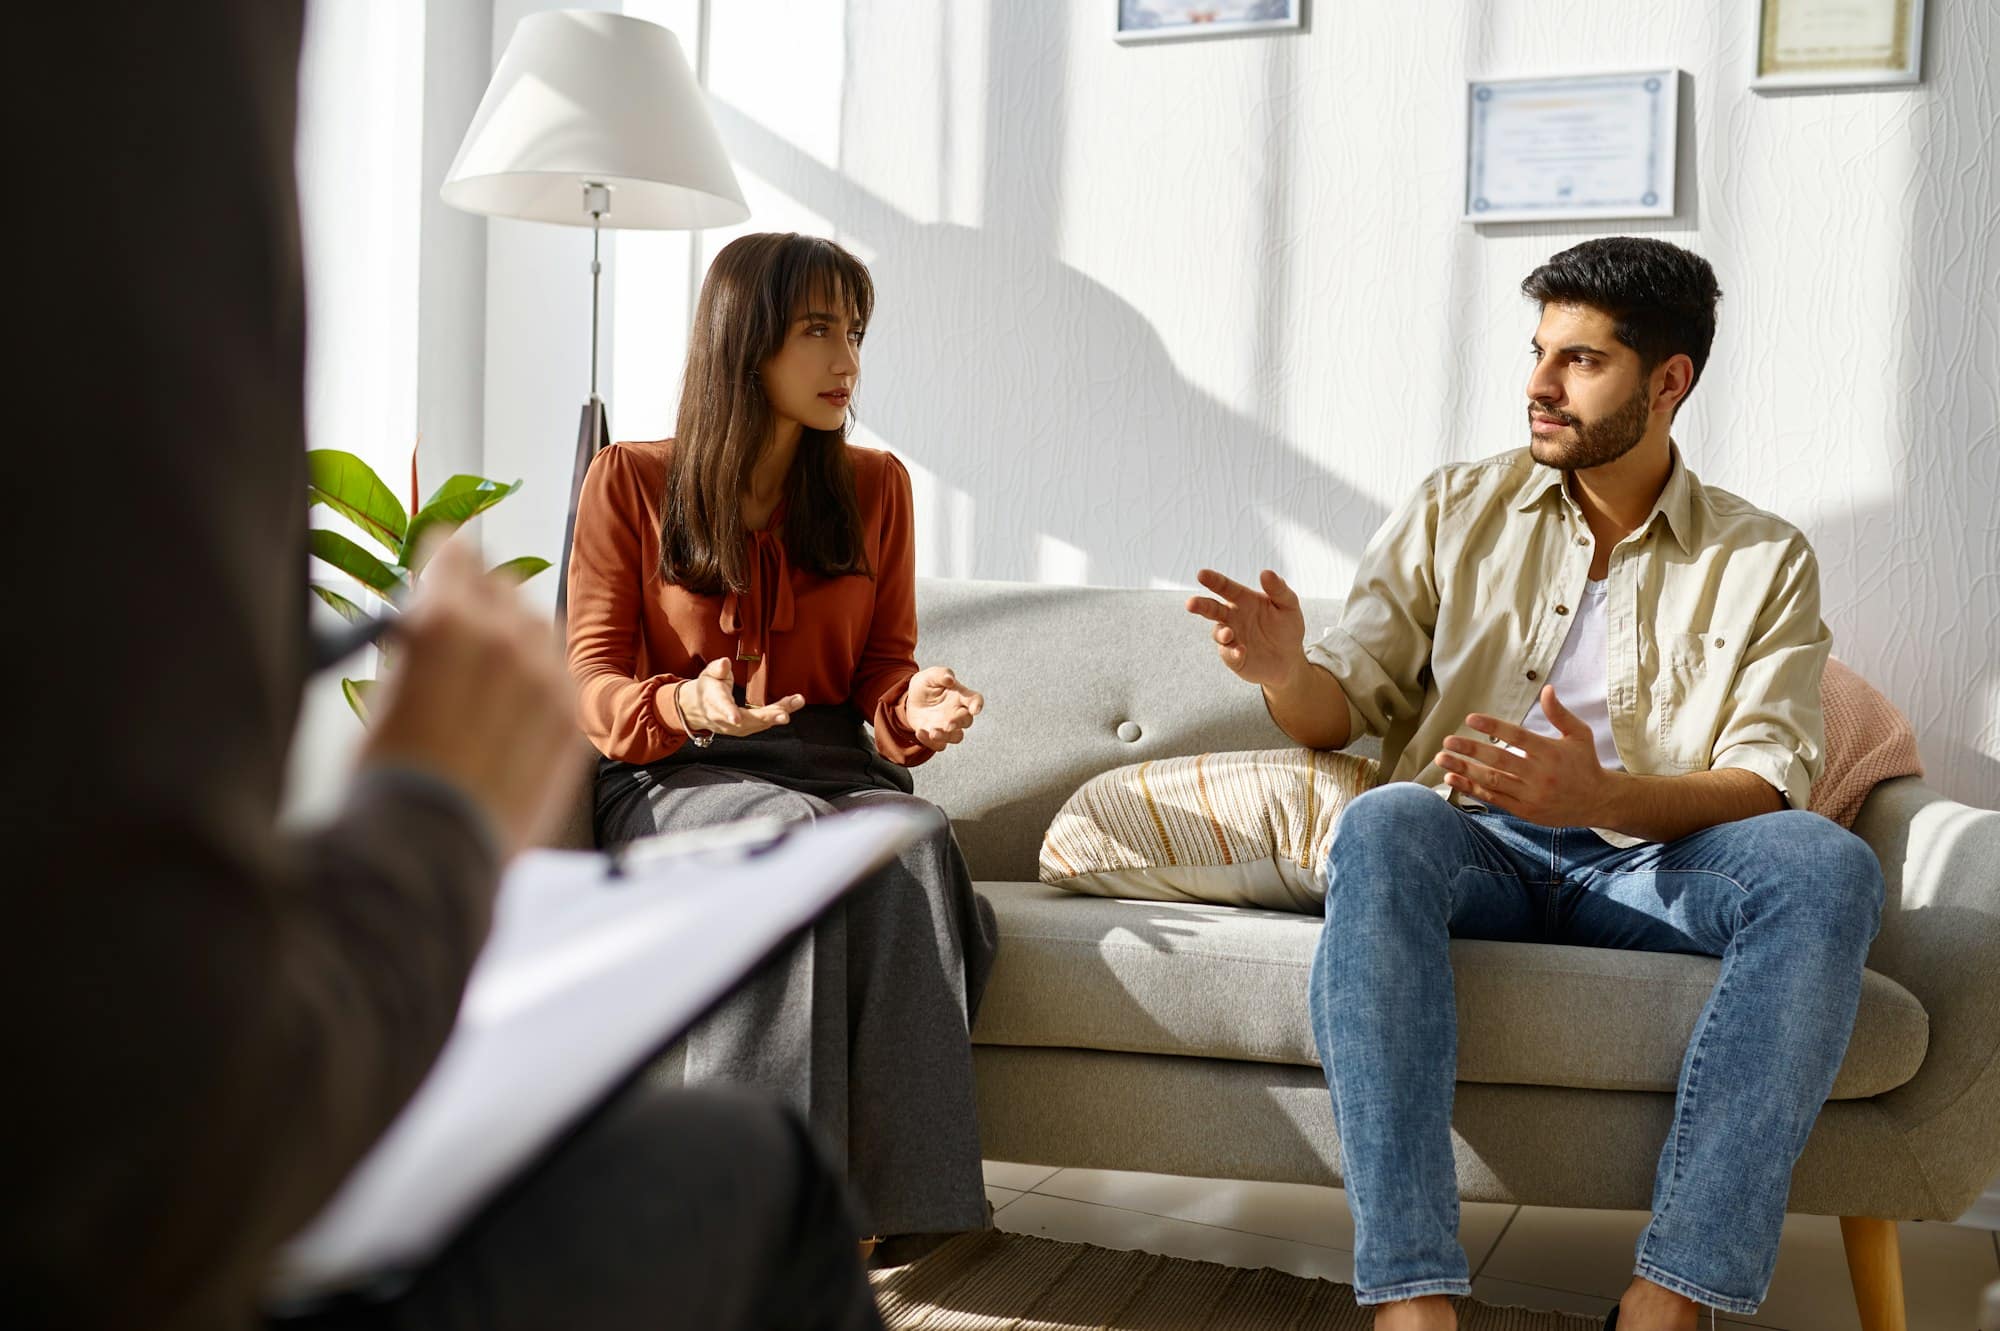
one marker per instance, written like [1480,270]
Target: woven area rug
[992,1281]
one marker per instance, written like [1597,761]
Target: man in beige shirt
[1596,681]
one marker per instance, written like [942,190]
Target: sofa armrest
[1940,939]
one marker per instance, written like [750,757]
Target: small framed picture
[1838,43]
[1179,20]
[1573,146]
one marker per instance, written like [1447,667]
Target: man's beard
[1595,443]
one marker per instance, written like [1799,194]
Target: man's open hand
[1552,782]
[1258,634]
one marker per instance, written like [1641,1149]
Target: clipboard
[595,964]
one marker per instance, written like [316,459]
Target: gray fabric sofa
[1174,1039]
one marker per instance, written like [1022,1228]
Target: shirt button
[1563,610]
[1532,676]
[1718,642]
[1583,540]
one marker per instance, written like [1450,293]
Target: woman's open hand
[939,708]
[708,702]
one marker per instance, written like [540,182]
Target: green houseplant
[350,487]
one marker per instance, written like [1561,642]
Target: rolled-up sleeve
[1772,724]
[1382,646]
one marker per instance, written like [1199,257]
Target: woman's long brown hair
[755,288]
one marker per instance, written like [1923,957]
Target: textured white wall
[1143,309]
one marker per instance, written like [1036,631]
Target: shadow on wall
[1056,408]
[1041,393]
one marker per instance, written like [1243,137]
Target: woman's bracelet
[704,738]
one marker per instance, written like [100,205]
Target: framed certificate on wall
[1578,146]
[1177,20]
[1838,43]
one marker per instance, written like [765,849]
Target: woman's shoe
[902,1249]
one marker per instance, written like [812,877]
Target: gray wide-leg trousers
[863,1025]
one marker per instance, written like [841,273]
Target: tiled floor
[1575,1261]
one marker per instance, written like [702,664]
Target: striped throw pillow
[1227,829]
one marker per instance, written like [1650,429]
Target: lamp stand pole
[593,429]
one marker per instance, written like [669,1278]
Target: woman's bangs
[832,281]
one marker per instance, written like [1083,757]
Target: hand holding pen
[477,696]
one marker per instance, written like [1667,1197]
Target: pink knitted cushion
[1867,740]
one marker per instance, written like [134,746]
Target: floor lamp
[594,119]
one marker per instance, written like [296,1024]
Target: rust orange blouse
[632,637]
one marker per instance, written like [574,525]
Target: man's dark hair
[1660,297]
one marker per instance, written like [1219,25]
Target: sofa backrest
[1078,680]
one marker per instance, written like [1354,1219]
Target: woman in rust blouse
[741,601]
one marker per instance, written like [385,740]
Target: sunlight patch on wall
[651,308]
[921,68]
[1058,562]
[359,169]
[793,87]
[944,513]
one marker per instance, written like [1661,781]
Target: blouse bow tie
[759,610]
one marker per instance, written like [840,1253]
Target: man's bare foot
[1649,1307]
[1433,1312]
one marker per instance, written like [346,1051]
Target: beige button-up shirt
[1463,599]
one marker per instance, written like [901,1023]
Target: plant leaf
[518,571]
[356,692]
[352,560]
[349,611]
[350,487]
[457,501]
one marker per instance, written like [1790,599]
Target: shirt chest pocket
[1692,694]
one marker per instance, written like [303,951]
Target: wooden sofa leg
[1875,1265]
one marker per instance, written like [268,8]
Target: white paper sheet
[582,978]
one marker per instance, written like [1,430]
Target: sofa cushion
[1229,829]
[1221,982]
[1868,741]
[1078,680]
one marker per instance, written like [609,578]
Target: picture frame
[1138,21]
[1566,147]
[1805,44]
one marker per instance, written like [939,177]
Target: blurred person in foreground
[214,1020]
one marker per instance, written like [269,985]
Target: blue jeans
[1789,901]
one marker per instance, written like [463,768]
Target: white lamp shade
[588,97]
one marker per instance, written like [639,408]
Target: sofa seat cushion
[1081,972]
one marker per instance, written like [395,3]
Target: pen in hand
[326,648]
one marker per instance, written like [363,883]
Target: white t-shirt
[1578,677]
